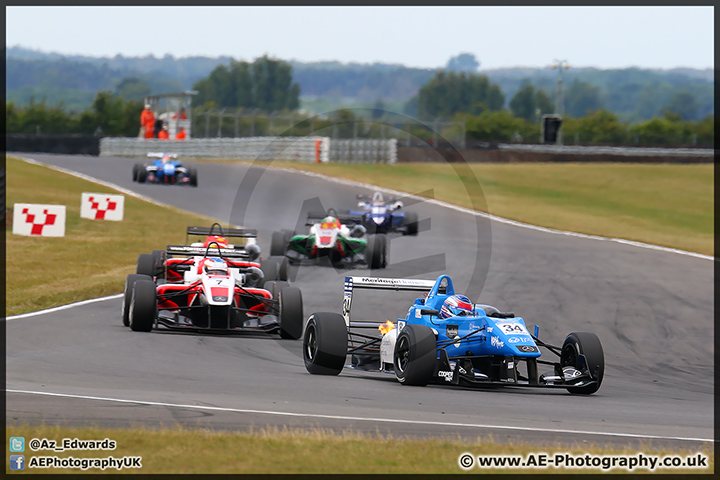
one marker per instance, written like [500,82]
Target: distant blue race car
[448,341]
[380,215]
[166,170]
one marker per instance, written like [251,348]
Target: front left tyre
[143,306]
[127,295]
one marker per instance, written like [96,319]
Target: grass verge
[94,257]
[664,204]
[284,451]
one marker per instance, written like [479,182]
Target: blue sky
[602,37]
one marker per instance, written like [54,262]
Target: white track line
[364,419]
[95,180]
[64,307]
[494,217]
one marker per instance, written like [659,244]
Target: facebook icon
[17,462]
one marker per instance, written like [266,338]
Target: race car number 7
[512,328]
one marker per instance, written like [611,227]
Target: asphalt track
[653,311]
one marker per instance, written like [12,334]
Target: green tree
[582,98]
[683,104]
[448,93]
[132,88]
[266,84]
[601,128]
[529,103]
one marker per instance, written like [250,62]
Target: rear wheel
[271,269]
[159,258]
[127,295]
[588,345]
[377,251]
[136,169]
[193,176]
[274,287]
[143,306]
[290,312]
[411,219]
[415,355]
[145,265]
[325,343]
[142,175]
[278,244]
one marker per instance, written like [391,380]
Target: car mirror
[429,311]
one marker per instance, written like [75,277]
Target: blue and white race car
[166,169]
[444,338]
[381,215]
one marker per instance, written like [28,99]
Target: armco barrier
[64,144]
[302,149]
[546,154]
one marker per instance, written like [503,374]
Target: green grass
[285,451]
[663,204]
[94,257]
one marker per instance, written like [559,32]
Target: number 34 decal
[512,328]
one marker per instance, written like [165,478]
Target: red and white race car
[213,286]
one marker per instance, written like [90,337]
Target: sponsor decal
[401,324]
[519,339]
[101,206]
[496,342]
[451,331]
[526,348]
[39,220]
[447,375]
[417,313]
[512,328]
[489,329]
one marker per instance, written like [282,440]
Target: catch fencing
[300,149]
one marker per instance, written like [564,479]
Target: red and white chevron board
[39,220]
[101,206]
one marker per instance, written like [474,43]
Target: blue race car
[166,169]
[380,215]
[444,338]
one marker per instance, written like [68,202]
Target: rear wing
[211,251]
[161,155]
[225,232]
[396,284]
[316,217]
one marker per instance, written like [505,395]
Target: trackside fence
[301,149]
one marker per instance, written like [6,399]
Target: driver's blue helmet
[456,306]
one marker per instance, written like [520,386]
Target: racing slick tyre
[283,268]
[412,223]
[377,251]
[159,257]
[290,312]
[271,269]
[136,169]
[279,244]
[141,175]
[127,295]
[275,287]
[143,306]
[193,177]
[415,355]
[587,344]
[145,265]
[325,343]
